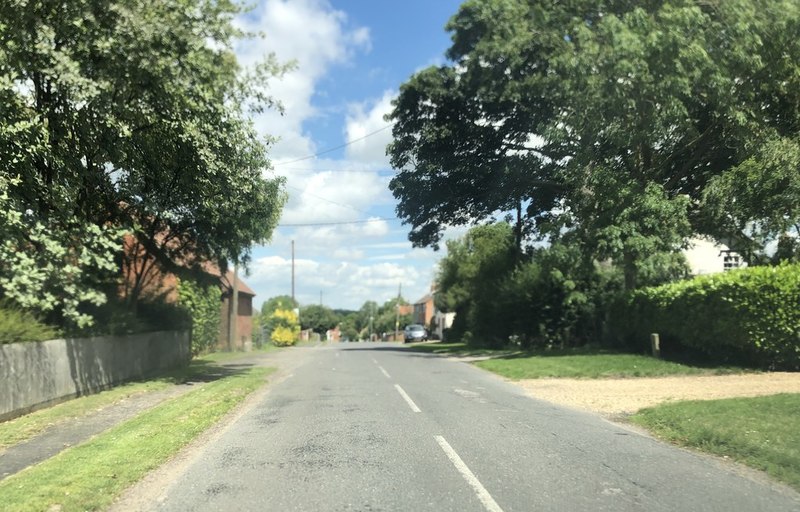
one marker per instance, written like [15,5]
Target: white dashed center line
[469,476]
[407,398]
[385,372]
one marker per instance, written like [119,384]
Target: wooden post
[655,345]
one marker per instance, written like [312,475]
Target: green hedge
[749,315]
[17,325]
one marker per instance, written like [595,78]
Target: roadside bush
[286,327]
[203,306]
[750,315]
[17,325]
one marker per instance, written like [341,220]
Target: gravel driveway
[620,397]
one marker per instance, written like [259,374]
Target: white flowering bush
[48,267]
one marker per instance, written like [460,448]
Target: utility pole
[397,315]
[293,302]
[320,298]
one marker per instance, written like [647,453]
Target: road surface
[368,427]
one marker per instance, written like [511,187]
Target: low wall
[37,374]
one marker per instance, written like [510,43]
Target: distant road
[368,427]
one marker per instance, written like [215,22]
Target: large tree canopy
[134,114]
[610,117]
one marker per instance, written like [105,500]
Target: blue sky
[352,56]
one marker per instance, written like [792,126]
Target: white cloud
[332,196]
[343,284]
[314,35]
[363,120]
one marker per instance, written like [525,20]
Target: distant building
[705,256]
[426,314]
[244,314]
[424,310]
[333,335]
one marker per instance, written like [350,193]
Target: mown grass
[30,425]
[581,363]
[761,432]
[26,427]
[89,476]
[221,357]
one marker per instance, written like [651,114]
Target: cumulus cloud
[332,195]
[315,36]
[333,259]
[345,284]
[365,119]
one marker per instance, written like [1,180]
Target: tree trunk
[629,270]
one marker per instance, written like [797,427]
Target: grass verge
[221,357]
[580,363]
[30,425]
[760,432]
[89,476]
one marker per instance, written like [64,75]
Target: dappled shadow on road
[408,350]
[205,371]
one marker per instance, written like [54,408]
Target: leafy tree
[134,115]
[278,302]
[362,321]
[386,317]
[348,327]
[553,295]
[755,203]
[558,109]
[318,318]
[56,270]
[469,281]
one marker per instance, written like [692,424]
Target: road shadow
[200,371]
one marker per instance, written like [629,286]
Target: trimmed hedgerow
[750,315]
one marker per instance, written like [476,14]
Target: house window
[245,305]
[730,260]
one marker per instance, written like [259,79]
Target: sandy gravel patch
[613,397]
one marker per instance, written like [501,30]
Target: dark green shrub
[749,315]
[201,309]
[17,325]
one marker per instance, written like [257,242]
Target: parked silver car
[414,332]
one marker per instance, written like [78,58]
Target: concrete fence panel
[37,374]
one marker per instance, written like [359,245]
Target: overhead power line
[302,191]
[341,223]
[370,171]
[334,148]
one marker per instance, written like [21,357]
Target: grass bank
[30,425]
[760,432]
[89,476]
[585,363]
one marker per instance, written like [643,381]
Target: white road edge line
[469,476]
[407,398]
[385,372]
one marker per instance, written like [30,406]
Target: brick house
[142,277]
[244,314]
[424,310]
[426,314]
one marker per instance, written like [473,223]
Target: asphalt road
[373,427]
